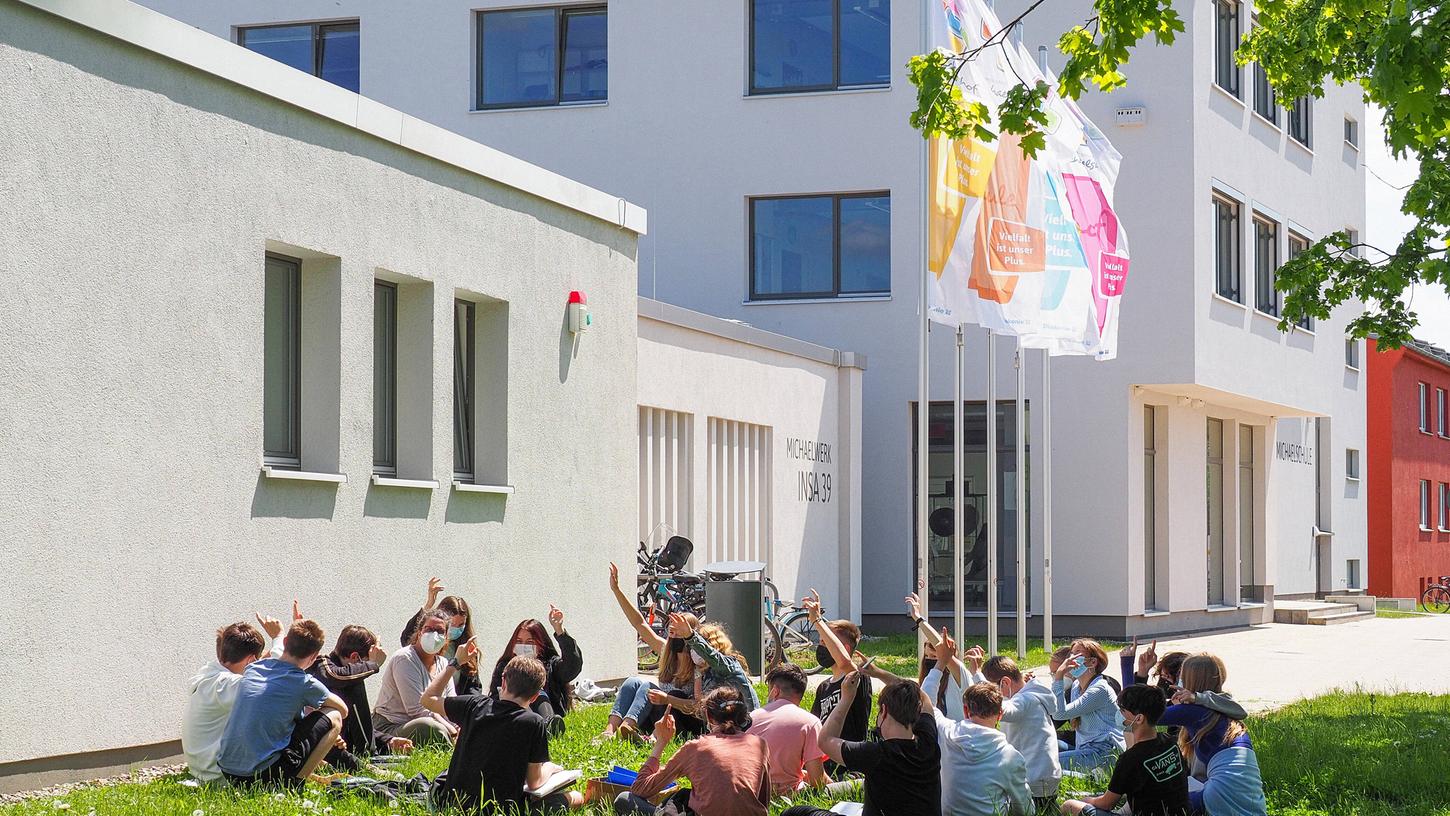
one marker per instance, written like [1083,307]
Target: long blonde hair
[676,668]
[1205,672]
[715,635]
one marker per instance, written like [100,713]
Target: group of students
[972,735]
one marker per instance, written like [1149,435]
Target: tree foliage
[1398,51]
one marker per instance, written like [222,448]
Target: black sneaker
[556,726]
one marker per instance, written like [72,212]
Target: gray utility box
[739,607]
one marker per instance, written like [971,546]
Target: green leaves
[940,107]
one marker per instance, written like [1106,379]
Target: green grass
[897,653]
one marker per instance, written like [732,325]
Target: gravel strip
[146,774]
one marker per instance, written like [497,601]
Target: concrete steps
[1320,613]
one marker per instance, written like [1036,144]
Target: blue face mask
[455,632]
[1078,670]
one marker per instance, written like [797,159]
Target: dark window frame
[835,292]
[1225,68]
[561,12]
[1300,121]
[1297,245]
[1351,353]
[388,466]
[291,458]
[835,84]
[353,23]
[464,415]
[1266,297]
[1233,288]
[1265,104]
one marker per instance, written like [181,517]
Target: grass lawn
[1420,610]
[897,653]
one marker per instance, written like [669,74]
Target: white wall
[140,198]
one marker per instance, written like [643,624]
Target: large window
[542,56]
[818,45]
[820,246]
[326,50]
[385,378]
[1226,42]
[1266,264]
[1424,504]
[1248,588]
[1423,398]
[463,389]
[1150,507]
[282,362]
[1215,506]
[1440,409]
[1298,245]
[1301,121]
[1264,103]
[1227,261]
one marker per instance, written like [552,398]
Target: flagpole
[992,492]
[1047,500]
[923,405]
[958,488]
[1021,488]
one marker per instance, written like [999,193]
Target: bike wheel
[773,651]
[1436,599]
[800,639]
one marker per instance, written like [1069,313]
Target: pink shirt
[792,734]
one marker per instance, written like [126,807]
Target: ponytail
[725,709]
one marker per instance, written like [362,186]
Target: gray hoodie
[981,775]
[1027,722]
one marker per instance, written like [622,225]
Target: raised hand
[665,729]
[296,611]
[377,655]
[849,684]
[976,656]
[556,619]
[435,588]
[812,606]
[271,626]
[1131,650]
[1148,659]
[913,605]
[613,576]
[946,648]
[468,655]
[679,627]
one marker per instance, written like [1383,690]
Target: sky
[1385,224]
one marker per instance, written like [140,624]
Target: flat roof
[662,312]
[1430,351]
[153,31]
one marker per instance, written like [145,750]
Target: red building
[1408,435]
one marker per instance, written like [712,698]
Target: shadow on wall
[291,498]
[475,508]
[568,346]
[397,502]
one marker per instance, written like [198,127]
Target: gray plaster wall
[137,199]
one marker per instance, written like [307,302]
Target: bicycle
[664,587]
[1436,597]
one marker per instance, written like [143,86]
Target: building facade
[1408,467]
[1195,478]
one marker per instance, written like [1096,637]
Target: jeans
[422,731]
[806,810]
[632,699]
[627,804]
[1088,758]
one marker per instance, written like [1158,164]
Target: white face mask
[699,661]
[526,650]
[432,642]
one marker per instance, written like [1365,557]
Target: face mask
[824,657]
[676,645]
[699,661]
[1178,683]
[526,650]
[432,642]
[455,632]
[1078,670]
[1128,726]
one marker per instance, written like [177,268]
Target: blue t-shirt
[270,697]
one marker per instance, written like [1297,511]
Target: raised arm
[913,608]
[636,620]
[571,660]
[1094,698]
[832,643]
[830,741]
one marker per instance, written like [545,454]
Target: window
[1300,116]
[542,56]
[1215,506]
[282,362]
[1351,464]
[1264,103]
[1445,507]
[385,378]
[1353,235]
[1351,353]
[1248,587]
[1424,400]
[1266,263]
[1351,573]
[1229,277]
[326,50]
[1440,412]
[819,45]
[463,389]
[1226,42]
[1298,244]
[820,246]
[1150,508]
[1424,504]
[1351,132]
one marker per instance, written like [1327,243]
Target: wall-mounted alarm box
[579,317]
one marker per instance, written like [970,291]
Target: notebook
[555,783]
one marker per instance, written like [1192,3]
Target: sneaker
[556,725]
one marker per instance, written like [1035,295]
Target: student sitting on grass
[676,676]
[717,663]
[1027,722]
[266,739]
[728,769]
[1066,738]
[400,711]
[1213,740]
[503,746]
[1167,667]
[460,631]
[791,733]
[355,657]
[1091,703]
[981,773]
[561,666]
[1151,773]
[902,767]
[839,639]
[214,691]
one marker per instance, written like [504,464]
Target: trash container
[738,606]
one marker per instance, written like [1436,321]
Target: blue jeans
[1088,758]
[632,699]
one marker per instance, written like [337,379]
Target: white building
[708,119]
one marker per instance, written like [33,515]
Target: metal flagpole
[1021,488]
[958,488]
[923,405]
[1046,500]
[992,534]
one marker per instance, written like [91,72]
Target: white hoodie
[1027,723]
[208,705]
[981,775]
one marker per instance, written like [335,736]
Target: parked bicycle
[1436,597]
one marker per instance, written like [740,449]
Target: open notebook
[555,783]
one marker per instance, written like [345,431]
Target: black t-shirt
[858,719]
[497,740]
[1153,777]
[903,777]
